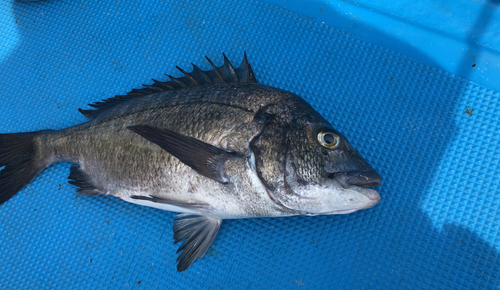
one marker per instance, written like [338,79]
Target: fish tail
[19,162]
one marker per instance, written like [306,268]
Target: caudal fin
[20,166]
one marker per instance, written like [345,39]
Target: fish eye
[328,140]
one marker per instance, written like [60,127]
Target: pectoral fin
[198,232]
[190,206]
[204,158]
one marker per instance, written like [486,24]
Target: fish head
[324,174]
[310,168]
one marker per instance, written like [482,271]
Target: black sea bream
[211,145]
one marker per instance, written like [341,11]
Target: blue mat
[432,136]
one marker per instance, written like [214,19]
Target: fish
[210,145]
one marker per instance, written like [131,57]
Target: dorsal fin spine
[193,81]
[230,68]
[177,81]
[203,74]
[216,69]
[154,88]
[248,69]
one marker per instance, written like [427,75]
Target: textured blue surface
[458,36]
[437,223]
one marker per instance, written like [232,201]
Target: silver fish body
[212,145]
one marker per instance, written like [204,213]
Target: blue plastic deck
[459,36]
[432,135]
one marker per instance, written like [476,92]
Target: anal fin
[198,233]
[79,178]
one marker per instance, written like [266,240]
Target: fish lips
[359,181]
[358,178]
[371,194]
[373,199]
[354,182]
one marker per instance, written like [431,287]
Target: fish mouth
[372,195]
[373,198]
[363,179]
[360,182]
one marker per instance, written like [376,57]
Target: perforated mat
[432,136]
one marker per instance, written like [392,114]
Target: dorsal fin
[226,73]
